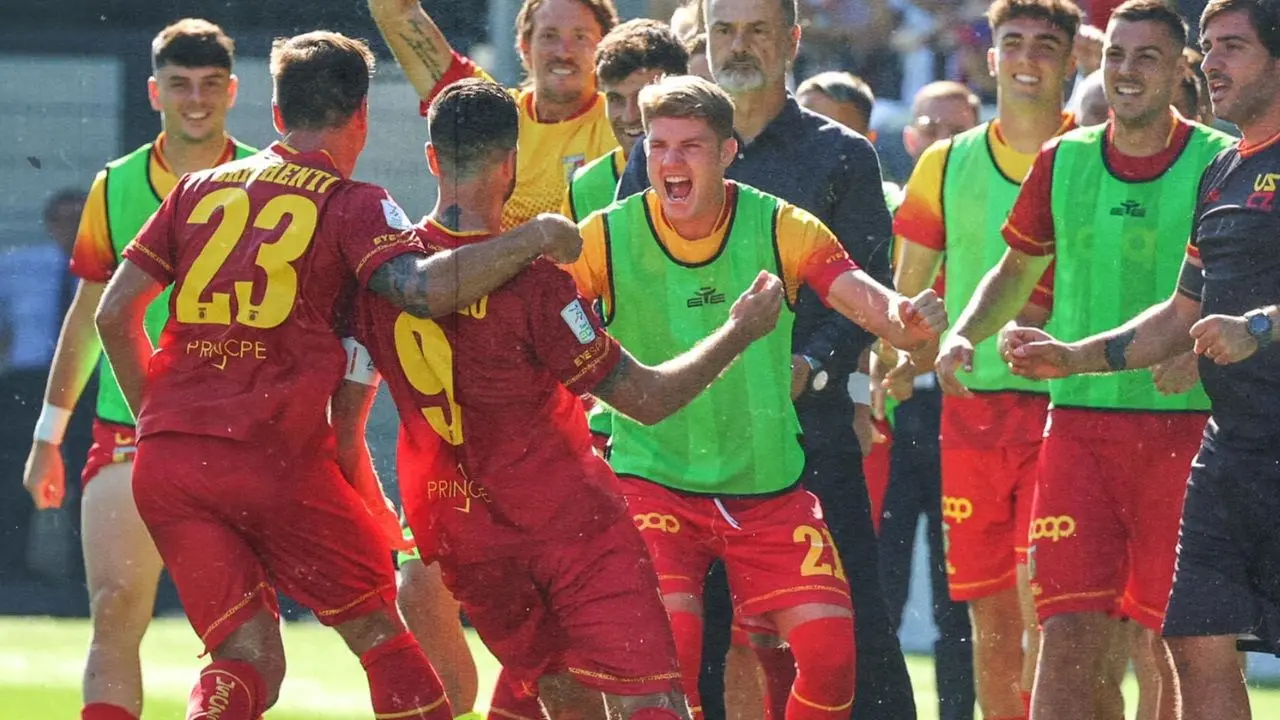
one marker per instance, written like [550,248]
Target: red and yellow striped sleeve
[93,258]
[1029,227]
[590,272]
[460,68]
[809,252]
[919,218]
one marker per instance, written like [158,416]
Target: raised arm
[444,282]
[906,323]
[649,395]
[415,40]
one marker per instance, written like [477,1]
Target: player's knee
[824,653]
[258,643]
[120,612]
[368,631]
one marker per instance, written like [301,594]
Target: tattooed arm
[438,284]
[416,42]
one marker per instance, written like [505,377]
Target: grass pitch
[41,661]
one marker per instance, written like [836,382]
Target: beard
[740,76]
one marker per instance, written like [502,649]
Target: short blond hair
[688,96]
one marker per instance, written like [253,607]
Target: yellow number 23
[274,258]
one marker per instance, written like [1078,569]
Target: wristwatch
[1258,323]
[818,377]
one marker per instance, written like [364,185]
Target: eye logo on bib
[576,318]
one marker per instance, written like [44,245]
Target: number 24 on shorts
[274,258]
[819,541]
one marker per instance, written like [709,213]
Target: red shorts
[777,550]
[875,467]
[1105,532]
[986,510]
[589,608]
[232,520]
[112,443]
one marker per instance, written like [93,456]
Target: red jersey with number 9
[263,254]
[495,455]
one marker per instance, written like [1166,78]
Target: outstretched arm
[415,40]
[649,395]
[1001,295]
[444,282]
[906,323]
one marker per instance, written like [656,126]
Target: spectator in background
[914,483]
[35,290]
[1087,50]
[1192,98]
[1092,98]
[687,24]
[850,35]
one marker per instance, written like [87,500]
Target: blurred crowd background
[72,82]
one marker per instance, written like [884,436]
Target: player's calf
[1072,648]
[402,683]
[655,706]
[432,615]
[243,681]
[1210,677]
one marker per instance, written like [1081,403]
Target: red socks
[402,684]
[228,690]
[779,667]
[105,711]
[686,628]
[825,666]
[514,700]
[1026,702]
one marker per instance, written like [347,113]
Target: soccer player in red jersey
[236,476]
[501,482]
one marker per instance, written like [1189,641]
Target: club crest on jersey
[395,217]
[571,163]
[576,318]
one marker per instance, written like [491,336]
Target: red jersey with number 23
[263,253]
[495,456]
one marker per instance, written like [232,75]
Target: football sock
[402,684]
[779,667]
[825,669]
[654,713]
[228,690]
[686,628]
[514,700]
[105,711]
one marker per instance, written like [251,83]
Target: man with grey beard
[834,173]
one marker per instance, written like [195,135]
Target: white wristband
[360,366]
[52,425]
[859,388]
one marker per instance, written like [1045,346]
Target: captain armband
[360,366]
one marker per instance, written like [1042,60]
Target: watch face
[820,381]
[1259,324]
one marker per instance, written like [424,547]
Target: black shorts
[1227,580]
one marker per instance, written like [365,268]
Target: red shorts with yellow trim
[590,608]
[777,550]
[112,443]
[986,510]
[1105,531]
[232,521]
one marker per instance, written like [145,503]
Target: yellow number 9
[427,360]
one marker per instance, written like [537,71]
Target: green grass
[41,661]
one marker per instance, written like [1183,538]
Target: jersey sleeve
[1029,227]
[810,254]
[919,218]
[460,67]
[93,258]
[590,272]
[568,338]
[371,229]
[155,249]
